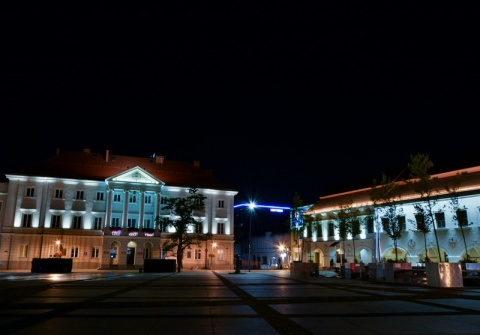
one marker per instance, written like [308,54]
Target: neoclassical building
[322,244]
[100,210]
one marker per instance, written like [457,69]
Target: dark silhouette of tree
[182,216]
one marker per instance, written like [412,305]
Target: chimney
[57,151]
[106,155]
[159,159]
[196,163]
[86,150]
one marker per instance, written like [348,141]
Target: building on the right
[393,222]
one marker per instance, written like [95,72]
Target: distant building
[100,211]
[270,236]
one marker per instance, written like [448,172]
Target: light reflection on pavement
[60,277]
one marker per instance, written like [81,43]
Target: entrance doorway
[131,247]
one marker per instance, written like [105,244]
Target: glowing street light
[252,208]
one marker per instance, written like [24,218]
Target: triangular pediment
[136,175]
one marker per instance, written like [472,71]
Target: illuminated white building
[100,211]
[323,245]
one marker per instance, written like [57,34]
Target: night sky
[314,108]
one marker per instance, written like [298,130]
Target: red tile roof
[470,182]
[94,166]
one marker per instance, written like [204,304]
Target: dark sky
[302,103]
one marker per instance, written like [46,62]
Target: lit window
[74,252]
[198,254]
[95,252]
[23,252]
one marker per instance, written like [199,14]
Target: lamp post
[252,207]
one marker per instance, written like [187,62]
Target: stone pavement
[222,302]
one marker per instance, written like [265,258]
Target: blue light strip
[262,206]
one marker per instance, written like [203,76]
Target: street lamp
[252,208]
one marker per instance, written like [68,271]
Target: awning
[335,243]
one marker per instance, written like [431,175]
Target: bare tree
[386,198]
[349,218]
[455,207]
[421,183]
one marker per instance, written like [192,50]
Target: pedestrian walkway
[223,302]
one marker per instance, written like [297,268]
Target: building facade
[101,210]
[456,222]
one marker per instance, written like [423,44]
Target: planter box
[301,270]
[52,265]
[444,274]
[398,272]
[159,265]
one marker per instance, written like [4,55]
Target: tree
[455,207]
[297,224]
[349,223]
[423,223]
[310,223]
[182,211]
[422,183]
[386,199]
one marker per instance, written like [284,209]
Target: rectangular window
[440,219]
[148,199]
[147,223]
[23,252]
[51,250]
[77,222]
[462,218]
[220,228]
[220,255]
[1,205]
[198,227]
[370,226]
[402,223]
[132,198]
[385,223]
[100,196]
[56,221]
[132,223]
[74,252]
[221,203]
[189,254]
[163,200]
[419,221]
[30,192]
[198,254]
[115,222]
[58,194]
[79,195]
[95,252]
[117,198]
[331,229]
[27,221]
[97,225]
